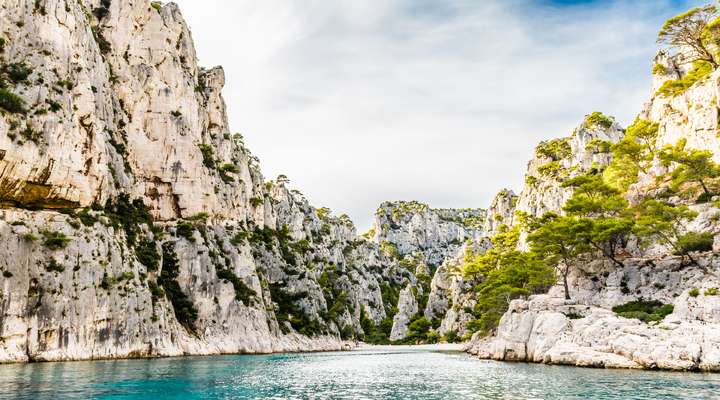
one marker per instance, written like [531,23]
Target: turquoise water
[376,374]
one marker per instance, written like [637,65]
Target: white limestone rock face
[585,332]
[407,307]
[560,159]
[691,115]
[434,234]
[187,249]
[423,240]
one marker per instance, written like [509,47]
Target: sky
[364,101]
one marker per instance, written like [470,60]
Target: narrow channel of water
[367,374]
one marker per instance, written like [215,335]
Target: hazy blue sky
[362,101]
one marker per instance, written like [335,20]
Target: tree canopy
[696,31]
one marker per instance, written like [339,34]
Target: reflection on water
[371,374]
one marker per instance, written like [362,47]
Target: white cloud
[364,101]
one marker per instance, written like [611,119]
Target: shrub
[11,102]
[230,168]
[147,254]
[645,311]
[156,291]
[555,149]
[288,311]
[129,215]
[242,291]
[106,282]
[598,146]
[156,5]
[659,69]
[185,310]
[17,72]
[699,70]
[418,329]
[693,241]
[452,337]
[256,201]
[186,230]
[103,45]
[598,119]
[55,240]
[54,266]
[86,218]
[550,169]
[125,276]
[694,292]
[207,155]
[29,237]
[239,238]
[711,292]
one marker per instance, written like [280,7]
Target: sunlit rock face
[585,331]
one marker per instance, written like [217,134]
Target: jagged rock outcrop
[424,239]
[560,159]
[415,229]
[585,332]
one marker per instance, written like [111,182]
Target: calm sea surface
[372,374]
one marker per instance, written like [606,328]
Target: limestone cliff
[134,223]
[584,331]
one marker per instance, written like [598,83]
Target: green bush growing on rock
[17,72]
[185,310]
[699,70]
[691,166]
[694,241]
[711,292]
[288,311]
[646,311]
[54,266]
[242,291]
[556,149]
[55,240]
[599,120]
[598,146]
[128,215]
[11,102]
[208,155]
[186,230]
[659,69]
[694,292]
[147,254]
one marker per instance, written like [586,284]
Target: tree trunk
[567,288]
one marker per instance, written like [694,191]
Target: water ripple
[383,374]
